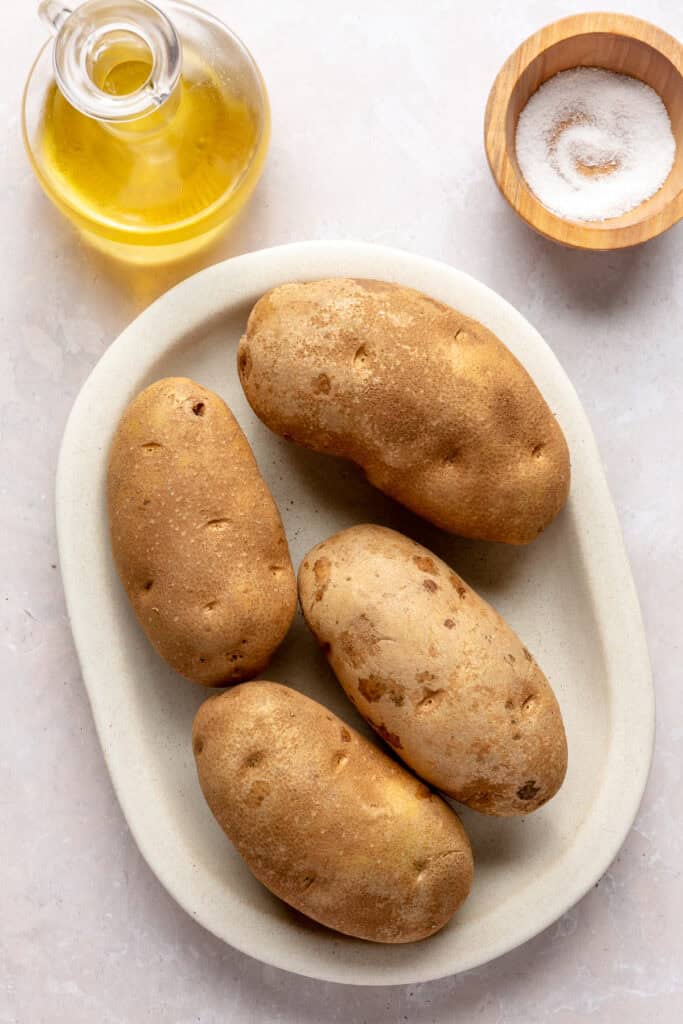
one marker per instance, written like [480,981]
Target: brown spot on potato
[481,749]
[199,408]
[457,585]
[448,623]
[537,450]
[151,446]
[198,746]
[218,524]
[430,585]
[527,655]
[509,704]
[428,698]
[389,737]
[252,760]
[322,384]
[245,363]
[353,653]
[345,735]
[210,606]
[516,735]
[321,570]
[148,585]
[510,658]
[425,677]
[360,356]
[359,640]
[258,792]
[528,702]
[308,880]
[419,866]
[481,795]
[529,791]
[425,564]
[374,687]
[339,761]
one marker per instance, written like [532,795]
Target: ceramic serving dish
[570,595]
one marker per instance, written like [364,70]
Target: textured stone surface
[377,135]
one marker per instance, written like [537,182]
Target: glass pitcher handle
[79,36]
[54,14]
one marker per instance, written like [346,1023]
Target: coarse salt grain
[593,144]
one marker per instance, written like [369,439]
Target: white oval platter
[570,596]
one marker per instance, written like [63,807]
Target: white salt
[593,144]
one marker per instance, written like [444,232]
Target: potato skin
[433,407]
[327,821]
[435,670]
[196,536]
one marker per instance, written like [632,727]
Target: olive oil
[148,128]
[160,175]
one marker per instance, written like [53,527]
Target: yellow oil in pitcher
[160,184]
[166,178]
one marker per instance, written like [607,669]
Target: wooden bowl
[616,42]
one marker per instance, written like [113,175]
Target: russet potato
[435,670]
[196,536]
[430,403]
[326,820]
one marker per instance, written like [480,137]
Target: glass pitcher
[147,128]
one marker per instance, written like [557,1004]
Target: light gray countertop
[377,113]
